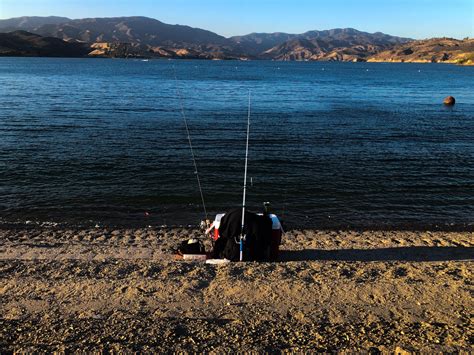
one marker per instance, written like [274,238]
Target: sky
[408,18]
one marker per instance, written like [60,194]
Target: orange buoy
[449,101]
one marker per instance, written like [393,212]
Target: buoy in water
[449,101]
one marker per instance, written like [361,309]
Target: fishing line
[183,114]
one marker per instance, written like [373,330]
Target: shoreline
[289,227]
[248,60]
[339,291]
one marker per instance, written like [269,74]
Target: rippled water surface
[333,145]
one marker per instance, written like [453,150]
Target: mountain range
[147,37]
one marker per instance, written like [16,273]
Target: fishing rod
[183,114]
[242,234]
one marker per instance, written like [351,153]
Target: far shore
[250,60]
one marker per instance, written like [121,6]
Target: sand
[337,291]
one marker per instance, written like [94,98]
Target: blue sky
[410,18]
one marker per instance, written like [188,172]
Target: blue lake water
[332,145]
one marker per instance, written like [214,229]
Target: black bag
[258,231]
[191,246]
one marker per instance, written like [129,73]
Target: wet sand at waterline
[102,289]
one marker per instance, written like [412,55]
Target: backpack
[258,231]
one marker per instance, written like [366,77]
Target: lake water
[332,145]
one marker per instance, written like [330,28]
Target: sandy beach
[103,289]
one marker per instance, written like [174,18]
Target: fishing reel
[205,224]
[266,207]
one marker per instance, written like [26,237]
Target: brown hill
[343,44]
[318,50]
[136,50]
[435,50]
[297,49]
[256,43]
[336,44]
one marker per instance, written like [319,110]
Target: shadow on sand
[386,254]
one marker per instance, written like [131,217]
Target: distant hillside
[257,43]
[335,45]
[21,43]
[346,36]
[435,50]
[313,45]
[29,23]
[141,30]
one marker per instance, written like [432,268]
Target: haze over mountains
[28,23]
[146,37]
